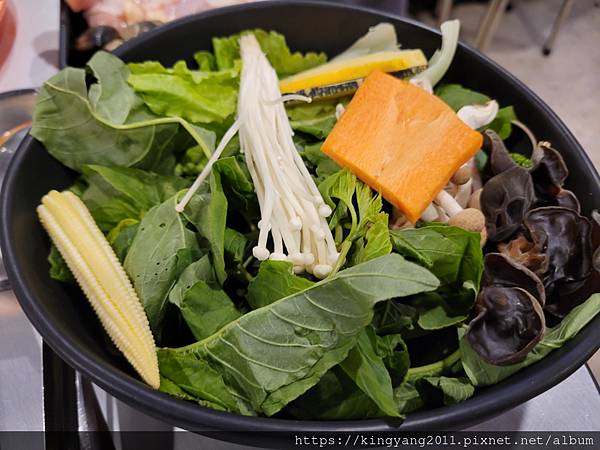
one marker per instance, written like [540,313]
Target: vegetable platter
[276,230]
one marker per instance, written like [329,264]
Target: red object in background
[79,5]
[8,30]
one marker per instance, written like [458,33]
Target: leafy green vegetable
[59,270]
[334,397]
[122,235]
[437,391]
[316,119]
[396,358]
[237,185]
[522,160]
[275,280]
[502,124]
[320,163]
[65,117]
[207,309]
[483,374]
[407,398]
[154,261]
[115,194]
[458,96]
[194,95]
[111,97]
[208,213]
[367,227]
[455,257]
[366,368]
[270,356]
[394,316]
[273,44]
[205,60]
[234,245]
[200,270]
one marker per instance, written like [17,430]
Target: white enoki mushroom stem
[292,209]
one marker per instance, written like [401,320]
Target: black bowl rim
[484,405]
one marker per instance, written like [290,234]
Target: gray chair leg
[565,10]
[490,22]
[443,9]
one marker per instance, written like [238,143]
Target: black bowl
[68,325]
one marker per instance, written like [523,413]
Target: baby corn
[102,278]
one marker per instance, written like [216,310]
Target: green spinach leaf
[275,280]
[122,235]
[438,391]
[207,309]
[208,213]
[115,194]
[59,270]
[154,259]
[65,117]
[272,355]
[366,368]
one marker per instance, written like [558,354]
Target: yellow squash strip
[355,68]
[102,278]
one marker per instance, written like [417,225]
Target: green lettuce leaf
[273,44]
[271,355]
[482,373]
[319,163]
[194,95]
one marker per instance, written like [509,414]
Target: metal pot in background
[16,108]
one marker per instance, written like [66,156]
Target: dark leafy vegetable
[509,322]
[265,367]
[157,256]
[322,165]
[366,368]
[206,309]
[121,237]
[59,270]
[454,256]
[458,96]
[275,280]
[481,373]
[208,213]
[438,391]
[115,194]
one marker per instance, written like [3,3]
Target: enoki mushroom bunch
[293,214]
[292,209]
